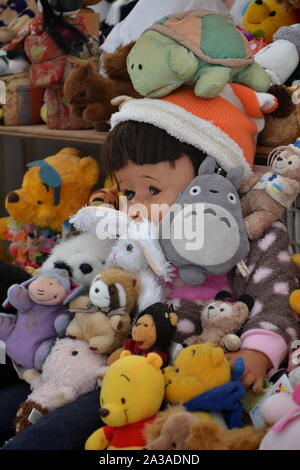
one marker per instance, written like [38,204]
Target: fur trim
[186,127]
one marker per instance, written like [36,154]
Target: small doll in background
[266,195]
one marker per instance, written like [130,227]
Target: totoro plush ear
[236,175]
[183,62]
[248,300]
[208,166]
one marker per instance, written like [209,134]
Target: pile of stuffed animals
[88,306]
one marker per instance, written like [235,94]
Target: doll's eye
[154,191]
[173,444]
[74,353]
[290,163]
[82,94]
[129,247]
[177,370]
[140,66]
[195,190]
[272,13]
[221,309]
[39,202]
[123,400]
[129,194]
[132,66]
[231,198]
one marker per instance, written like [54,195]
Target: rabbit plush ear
[145,234]
[208,166]
[103,221]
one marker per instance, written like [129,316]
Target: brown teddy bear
[221,318]
[282,127]
[267,194]
[176,429]
[90,93]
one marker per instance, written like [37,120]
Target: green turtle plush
[196,47]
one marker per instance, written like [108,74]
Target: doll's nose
[103,412]
[13,197]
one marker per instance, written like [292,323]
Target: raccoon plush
[104,318]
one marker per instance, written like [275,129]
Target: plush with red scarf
[131,395]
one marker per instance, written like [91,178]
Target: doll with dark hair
[55,24]
[153,330]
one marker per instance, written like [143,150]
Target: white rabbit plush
[136,249]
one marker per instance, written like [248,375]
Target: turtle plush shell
[196,30]
[194,47]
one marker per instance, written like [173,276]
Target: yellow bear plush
[263,18]
[38,203]
[196,370]
[131,395]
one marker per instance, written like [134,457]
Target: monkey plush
[153,331]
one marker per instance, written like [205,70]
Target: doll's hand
[257,365]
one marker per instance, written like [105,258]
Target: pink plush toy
[284,435]
[70,370]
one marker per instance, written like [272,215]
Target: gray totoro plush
[225,237]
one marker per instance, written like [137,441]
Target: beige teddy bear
[221,319]
[266,195]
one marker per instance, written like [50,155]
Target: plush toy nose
[85,268]
[13,197]
[103,412]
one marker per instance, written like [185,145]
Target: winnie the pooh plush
[131,395]
[197,369]
[52,190]
[264,18]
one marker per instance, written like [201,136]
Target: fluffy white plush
[70,370]
[84,256]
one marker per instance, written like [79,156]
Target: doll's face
[152,188]
[144,332]
[46,291]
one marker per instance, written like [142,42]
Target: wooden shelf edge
[41,131]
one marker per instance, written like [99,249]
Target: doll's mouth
[40,297]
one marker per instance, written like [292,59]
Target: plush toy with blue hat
[52,190]
[266,195]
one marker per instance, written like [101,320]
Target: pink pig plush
[70,370]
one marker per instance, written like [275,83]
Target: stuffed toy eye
[82,94]
[195,190]
[129,247]
[231,198]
